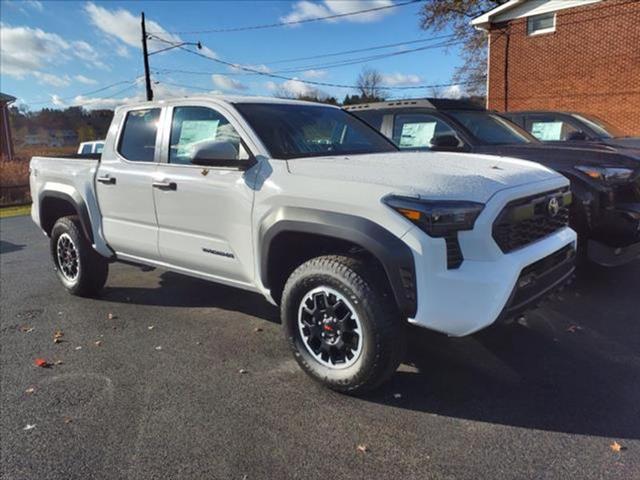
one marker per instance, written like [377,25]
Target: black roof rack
[435,103]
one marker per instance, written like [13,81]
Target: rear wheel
[342,324]
[81,269]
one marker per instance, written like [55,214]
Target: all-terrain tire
[367,291]
[81,269]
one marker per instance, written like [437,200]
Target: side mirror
[577,135]
[217,154]
[445,141]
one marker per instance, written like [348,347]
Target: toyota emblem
[553,207]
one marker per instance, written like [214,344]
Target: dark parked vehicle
[605,182]
[576,128]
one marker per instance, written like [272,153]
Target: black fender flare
[394,255]
[76,202]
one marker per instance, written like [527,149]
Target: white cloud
[314,73]
[85,80]
[26,50]
[294,88]
[306,9]
[51,79]
[454,91]
[124,26]
[57,101]
[395,79]
[35,4]
[225,83]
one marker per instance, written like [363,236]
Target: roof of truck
[433,103]
[228,99]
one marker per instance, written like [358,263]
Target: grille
[528,219]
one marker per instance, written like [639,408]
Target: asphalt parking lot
[161,393]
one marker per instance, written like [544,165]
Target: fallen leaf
[78,347]
[257,329]
[573,328]
[58,362]
[67,420]
[616,447]
[57,336]
[198,343]
[26,329]
[29,427]
[150,327]
[30,390]
[97,343]
[242,370]
[158,348]
[112,316]
[362,448]
[41,362]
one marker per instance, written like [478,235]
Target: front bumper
[461,301]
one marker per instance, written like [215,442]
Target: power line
[292,22]
[92,92]
[359,50]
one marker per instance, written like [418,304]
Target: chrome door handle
[165,185]
[107,180]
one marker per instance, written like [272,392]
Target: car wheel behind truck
[341,323]
[79,267]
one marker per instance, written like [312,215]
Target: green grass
[15,211]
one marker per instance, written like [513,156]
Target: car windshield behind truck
[491,129]
[298,131]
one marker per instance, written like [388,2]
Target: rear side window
[138,138]
[550,128]
[418,130]
[86,149]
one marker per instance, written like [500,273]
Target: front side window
[411,131]
[138,138]
[298,131]
[490,129]
[543,23]
[192,128]
[551,128]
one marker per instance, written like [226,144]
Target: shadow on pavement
[177,290]
[8,247]
[544,375]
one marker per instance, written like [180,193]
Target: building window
[543,23]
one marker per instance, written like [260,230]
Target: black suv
[576,128]
[605,182]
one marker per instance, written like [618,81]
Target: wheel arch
[54,205]
[289,236]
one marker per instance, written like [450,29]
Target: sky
[88,53]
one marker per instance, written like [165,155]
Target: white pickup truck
[317,211]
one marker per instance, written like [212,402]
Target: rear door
[123,184]
[204,213]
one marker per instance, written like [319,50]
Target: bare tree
[456,15]
[369,83]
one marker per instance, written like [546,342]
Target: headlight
[610,175]
[436,218]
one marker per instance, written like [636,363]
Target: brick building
[571,55]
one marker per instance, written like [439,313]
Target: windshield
[298,131]
[600,127]
[491,129]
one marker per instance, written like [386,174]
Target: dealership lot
[179,377]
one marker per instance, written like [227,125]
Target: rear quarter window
[138,137]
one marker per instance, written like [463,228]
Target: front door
[204,213]
[123,185]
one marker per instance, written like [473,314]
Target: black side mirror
[577,135]
[446,141]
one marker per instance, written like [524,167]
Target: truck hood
[441,175]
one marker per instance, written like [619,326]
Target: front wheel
[81,269]
[342,324]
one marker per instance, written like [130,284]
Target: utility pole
[145,53]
